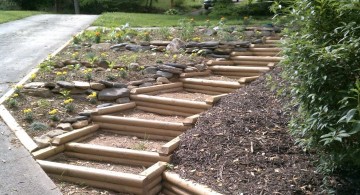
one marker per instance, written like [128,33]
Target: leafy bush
[322,69]
[261,8]
[38,126]
[8,5]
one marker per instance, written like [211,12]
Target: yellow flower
[175,56]
[15,95]
[33,76]
[58,73]
[19,87]
[196,39]
[64,72]
[68,101]
[26,111]
[87,70]
[170,37]
[53,111]
[245,18]
[92,95]
[122,69]
[103,55]
[97,34]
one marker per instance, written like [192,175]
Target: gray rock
[119,46]
[163,80]
[86,113]
[55,132]
[219,56]
[170,69]
[257,41]
[134,48]
[64,126]
[240,49]
[150,70]
[73,119]
[39,92]
[135,83]
[65,84]
[50,85]
[175,45]
[42,141]
[210,32]
[134,66]
[81,84]
[80,124]
[101,46]
[70,62]
[200,67]
[123,100]
[191,44]
[145,43]
[209,44]
[59,65]
[109,84]
[164,74]
[222,51]
[176,65]
[97,86]
[190,69]
[86,64]
[34,85]
[204,51]
[147,84]
[160,43]
[110,94]
[103,64]
[104,105]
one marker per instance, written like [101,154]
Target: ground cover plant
[7,16]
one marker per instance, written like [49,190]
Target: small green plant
[127,59]
[97,37]
[140,146]
[65,93]
[103,56]
[111,77]
[76,40]
[69,105]
[145,36]
[187,29]
[53,115]
[61,76]
[43,103]
[164,32]
[88,74]
[28,115]
[246,21]
[123,73]
[75,55]
[171,12]
[92,98]
[38,126]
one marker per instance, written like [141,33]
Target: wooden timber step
[257,58]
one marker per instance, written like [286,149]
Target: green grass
[117,19]
[7,16]
[166,4]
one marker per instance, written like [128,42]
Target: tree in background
[322,58]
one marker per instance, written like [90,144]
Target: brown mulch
[241,145]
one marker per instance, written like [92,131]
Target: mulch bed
[241,145]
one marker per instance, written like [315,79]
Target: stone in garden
[97,86]
[101,46]
[55,132]
[240,49]
[42,141]
[249,33]
[80,124]
[176,65]
[50,85]
[79,118]
[209,44]
[134,48]
[59,65]
[257,41]
[65,84]
[70,62]
[86,64]
[204,51]
[144,43]
[81,84]
[134,66]
[163,80]
[118,46]
[164,74]
[73,119]
[190,69]
[191,44]
[109,84]
[103,64]
[64,126]
[200,67]
[138,82]
[150,70]
[160,48]
[210,32]
[170,69]
[39,92]
[190,64]
[219,56]
[110,94]
[86,113]
[160,43]
[104,105]
[34,85]
[147,84]
[223,51]
[266,33]
[123,100]
[175,45]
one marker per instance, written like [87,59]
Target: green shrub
[38,126]
[322,69]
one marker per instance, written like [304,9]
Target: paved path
[23,45]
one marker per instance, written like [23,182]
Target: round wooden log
[248,79]
[116,152]
[213,62]
[154,182]
[140,135]
[212,100]
[92,173]
[98,184]
[163,111]
[275,37]
[203,91]
[209,88]
[141,130]
[66,137]
[108,159]
[48,152]
[156,88]
[139,122]
[253,53]
[263,45]
[115,108]
[242,69]
[167,192]
[258,58]
[171,101]
[214,83]
[187,185]
[191,119]
[154,171]
[238,74]
[249,63]
[165,91]
[173,188]
[168,107]
[195,74]
[275,49]
[271,41]
[169,147]
[155,190]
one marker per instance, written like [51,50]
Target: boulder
[170,69]
[110,94]
[103,64]
[164,74]
[175,45]
[34,85]
[80,124]
[150,70]
[109,84]
[42,141]
[134,48]
[97,86]
[210,32]
[162,80]
[64,126]
[69,62]
[200,67]
[55,132]
[119,46]
[176,65]
[39,92]
[101,46]
[123,100]
[81,84]
[147,84]
[134,66]
[65,84]
[209,44]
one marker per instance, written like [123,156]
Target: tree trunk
[172,4]
[76,6]
[56,6]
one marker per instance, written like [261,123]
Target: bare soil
[135,113]
[105,138]
[220,78]
[186,96]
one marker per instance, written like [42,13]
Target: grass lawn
[117,19]
[7,16]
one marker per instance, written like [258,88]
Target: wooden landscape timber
[257,58]
[212,100]
[248,79]
[140,135]
[169,147]
[225,63]
[191,120]
[254,53]
[202,91]
[236,74]
[156,88]
[213,83]
[45,153]
[268,45]
[72,135]
[169,107]
[195,74]
[240,69]
[177,89]
[114,108]
[175,184]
